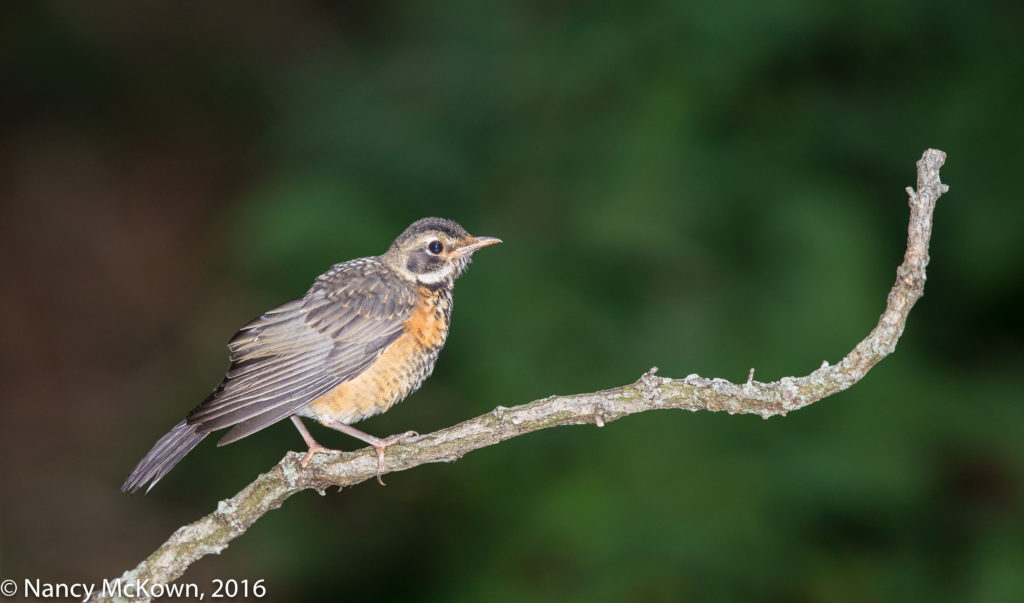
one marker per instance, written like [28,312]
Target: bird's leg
[379,443]
[314,446]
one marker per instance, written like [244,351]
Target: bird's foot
[382,443]
[315,448]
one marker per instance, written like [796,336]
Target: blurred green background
[702,186]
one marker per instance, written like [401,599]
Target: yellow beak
[473,243]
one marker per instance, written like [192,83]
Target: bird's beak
[473,243]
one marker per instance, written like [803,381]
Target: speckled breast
[399,369]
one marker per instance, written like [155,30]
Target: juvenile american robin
[365,336]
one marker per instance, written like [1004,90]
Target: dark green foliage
[705,186]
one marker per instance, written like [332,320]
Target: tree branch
[233,516]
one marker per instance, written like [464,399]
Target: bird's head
[434,251]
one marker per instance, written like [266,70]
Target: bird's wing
[295,353]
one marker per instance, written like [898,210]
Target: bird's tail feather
[163,457]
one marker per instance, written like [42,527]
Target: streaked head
[434,251]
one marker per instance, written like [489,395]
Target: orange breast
[428,323]
[398,370]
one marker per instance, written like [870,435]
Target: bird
[365,335]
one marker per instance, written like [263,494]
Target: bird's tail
[163,457]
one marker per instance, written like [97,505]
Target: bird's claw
[313,449]
[383,443]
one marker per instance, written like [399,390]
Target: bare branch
[233,516]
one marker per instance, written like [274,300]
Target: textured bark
[233,516]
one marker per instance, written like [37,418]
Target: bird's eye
[435,247]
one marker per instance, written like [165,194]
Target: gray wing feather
[300,350]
